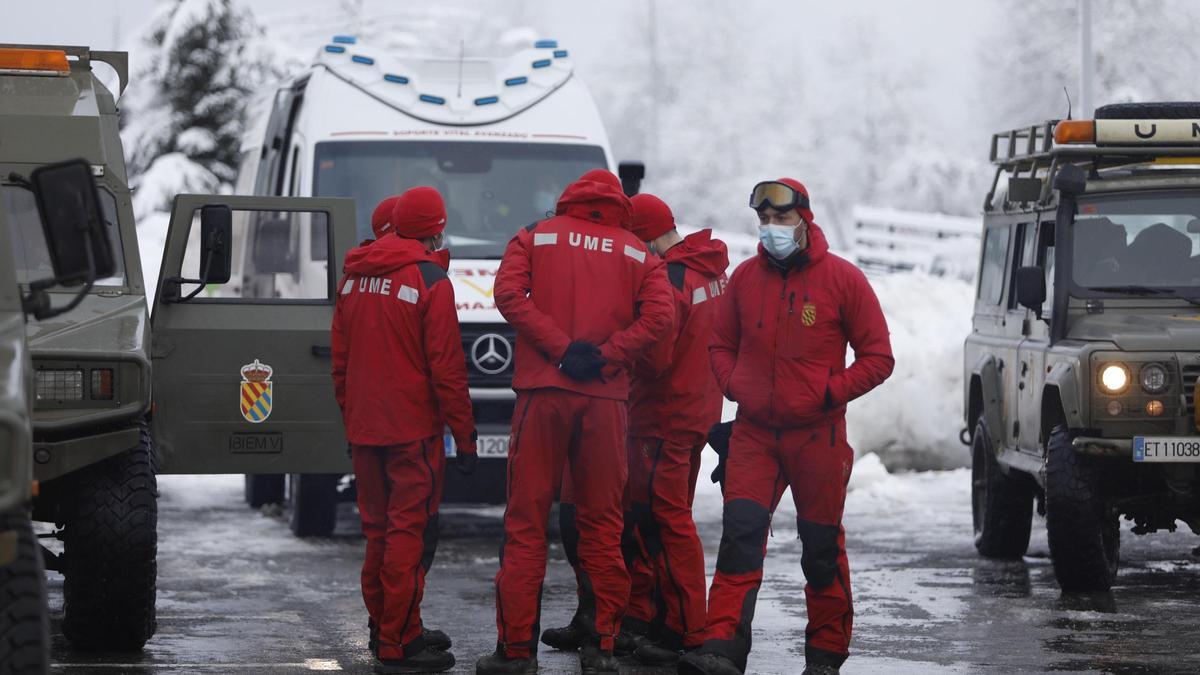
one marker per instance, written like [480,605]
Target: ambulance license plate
[486,446]
[1166,449]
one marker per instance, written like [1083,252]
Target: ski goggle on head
[779,196]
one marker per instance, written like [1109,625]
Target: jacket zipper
[775,351]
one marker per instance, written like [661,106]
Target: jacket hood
[596,201]
[390,254]
[701,253]
[818,248]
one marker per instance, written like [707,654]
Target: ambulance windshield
[491,189]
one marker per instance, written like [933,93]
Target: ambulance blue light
[514,81]
[345,39]
[398,79]
[487,100]
[365,60]
[543,63]
[334,49]
[546,44]
[436,100]
[560,54]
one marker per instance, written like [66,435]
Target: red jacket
[674,388]
[779,345]
[581,276]
[399,372]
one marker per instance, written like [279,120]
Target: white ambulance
[499,138]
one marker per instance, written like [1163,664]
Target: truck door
[242,370]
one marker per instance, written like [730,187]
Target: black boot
[569,638]
[499,664]
[634,634]
[821,669]
[594,661]
[665,652]
[373,639]
[424,661]
[697,663]
[436,639]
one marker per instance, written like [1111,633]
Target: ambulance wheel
[1082,528]
[314,501]
[1001,503]
[265,488]
[24,626]
[110,549]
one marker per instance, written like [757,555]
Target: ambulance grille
[489,349]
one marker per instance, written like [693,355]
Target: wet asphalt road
[238,594]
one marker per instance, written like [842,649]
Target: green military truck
[66,201]
[221,375]
[1082,364]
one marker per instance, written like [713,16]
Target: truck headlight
[1154,378]
[58,385]
[1114,378]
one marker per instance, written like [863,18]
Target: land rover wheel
[1001,503]
[314,501]
[265,488]
[1083,530]
[24,628]
[110,548]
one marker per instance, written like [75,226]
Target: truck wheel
[314,503]
[264,488]
[1083,531]
[110,547]
[24,626]
[1001,504]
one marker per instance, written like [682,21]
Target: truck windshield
[491,189]
[1146,244]
[29,244]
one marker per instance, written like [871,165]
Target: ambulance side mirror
[631,174]
[216,239]
[274,250]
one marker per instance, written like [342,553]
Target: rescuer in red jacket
[673,402]
[585,299]
[779,351]
[400,378]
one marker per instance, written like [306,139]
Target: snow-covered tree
[198,66]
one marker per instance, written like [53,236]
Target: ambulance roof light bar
[1129,132]
[44,62]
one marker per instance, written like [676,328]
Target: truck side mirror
[73,222]
[631,174]
[1070,180]
[1031,288]
[273,250]
[216,238]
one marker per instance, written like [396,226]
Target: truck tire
[265,488]
[314,501]
[24,625]
[1001,503]
[110,549]
[1083,531]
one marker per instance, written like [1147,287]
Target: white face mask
[778,240]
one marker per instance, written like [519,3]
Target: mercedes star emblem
[491,353]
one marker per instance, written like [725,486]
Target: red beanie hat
[381,218]
[652,218]
[602,176]
[419,213]
[799,187]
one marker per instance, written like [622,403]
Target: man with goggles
[779,351]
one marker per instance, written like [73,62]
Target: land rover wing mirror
[1031,288]
[216,239]
[1070,180]
[631,174]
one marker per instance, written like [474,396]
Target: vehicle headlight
[1114,378]
[1154,378]
[58,385]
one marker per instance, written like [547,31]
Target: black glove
[582,361]
[718,438]
[464,462]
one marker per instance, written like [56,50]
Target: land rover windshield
[491,189]
[29,244]
[1144,244]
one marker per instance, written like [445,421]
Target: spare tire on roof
[1170,110]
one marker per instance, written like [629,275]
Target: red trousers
[553,429]
[762,462]
[399,489]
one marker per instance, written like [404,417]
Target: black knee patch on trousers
[630,550]
[429,540]
[745,523]
[569,532]
[820,557]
